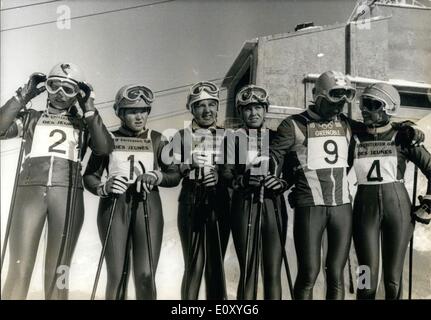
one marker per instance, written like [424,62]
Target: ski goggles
[251,94]
[136,93]
[69,87]
[336,95]
[202,91]
[206,86]
[372,104]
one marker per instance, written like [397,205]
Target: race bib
[375,162]
[129,155]
[55,135]
[327,145]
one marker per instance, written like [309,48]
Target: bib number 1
[131,158]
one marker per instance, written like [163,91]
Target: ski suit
[203,222]
[128,231]
[273,221]
[382,207]
[315,153]
[54,145]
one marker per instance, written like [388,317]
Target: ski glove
[422,213]
[408,134]
[247,181]
[146,181]
[30,90]
[210,178]
[86,101]
[274,183]
[114,185]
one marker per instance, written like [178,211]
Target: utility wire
[185,86]
[29,5]
[88,15]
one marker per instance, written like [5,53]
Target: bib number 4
[377,176]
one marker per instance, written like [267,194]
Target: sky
[166,45]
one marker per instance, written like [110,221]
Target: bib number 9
[331,148]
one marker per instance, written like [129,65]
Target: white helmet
[385,94]
[67,71]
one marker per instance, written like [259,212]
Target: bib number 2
[62,134]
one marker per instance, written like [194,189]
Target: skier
[315,143]
[49,186]
[133,168]
[268,219]
[203,203]
[382,207]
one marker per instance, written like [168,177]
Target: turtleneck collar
[195,126]
[375,130]
[313,115]
[262,128]
[130,133]
[72,111]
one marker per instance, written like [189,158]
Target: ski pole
[212,195]
[258,242]
[148,235]
[122,288]
[351,285]
[247,245]
[14,190]
[415,185]
[150,253]
[105,243]
[191,240]
[286,262]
